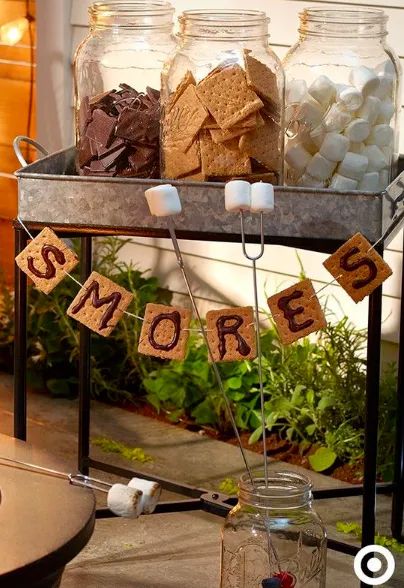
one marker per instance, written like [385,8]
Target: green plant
[130,453]
[351,528]
[228,486]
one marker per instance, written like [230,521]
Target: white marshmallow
[336,119]
[356,147]
[262,197]
[297,157]
[124,501]
[386,67]
[384,179]
[376,158]
[358,130]
[296,90]
[370,109]
[307,142]
[334,147]
[151,492]
[323,90]
[364,79]
[339,182]
[349,97]
[310,112]
[381,135]
[388,153]
[163,200]
[354,166]
[386,86]
[317,135]
[237,195]
[310,182]
[320,168]
[386,111]
[369,182]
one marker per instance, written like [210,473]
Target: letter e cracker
[231,334]
[357,267]
[165,331]
[296,312]
[100,304]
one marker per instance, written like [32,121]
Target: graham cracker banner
[296,311]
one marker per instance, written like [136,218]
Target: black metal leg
[84,369]
[20,342]
[372,413]
[398,494]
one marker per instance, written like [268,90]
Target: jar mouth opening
[225,17]
[135,8]
[280,485]
[342,16]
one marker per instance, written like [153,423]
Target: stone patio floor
[178,550]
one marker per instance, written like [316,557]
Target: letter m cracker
[357,267]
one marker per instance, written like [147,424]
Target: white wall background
[220,273]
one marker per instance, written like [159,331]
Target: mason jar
[117,88]
[342,101]
[273,537]
[222,97]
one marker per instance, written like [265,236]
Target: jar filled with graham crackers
[222,100]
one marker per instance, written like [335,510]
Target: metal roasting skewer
[254,260]
[180,261]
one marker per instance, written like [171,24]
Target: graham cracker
[221,136]
[306,315]
[223,159]
[183,122]
[358,268]
[237,344]
[111,299]
[186,81]
[48,256]
[227,96]
[262,80]
[263,144]
[177,163]
[166,332]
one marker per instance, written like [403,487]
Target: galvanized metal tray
[50,192]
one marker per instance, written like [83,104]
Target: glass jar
[222,97]
[117,88]
[273,537]
[342,102]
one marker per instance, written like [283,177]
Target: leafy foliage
[351,528]
[130,453]
[228,486]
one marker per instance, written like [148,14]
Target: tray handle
[17,150]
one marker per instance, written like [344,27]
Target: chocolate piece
[101,128]
[86,151]
[84,115]
[138,126]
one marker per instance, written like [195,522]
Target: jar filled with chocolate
[117,88]
[342,101]
[222,100]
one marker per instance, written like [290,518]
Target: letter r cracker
[357,267]
[231,334]
[112,301]
[165,337]
[296,312]
[48,246]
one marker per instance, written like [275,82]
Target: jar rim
[224,17]
[358,15]
[123,8]
[281,484]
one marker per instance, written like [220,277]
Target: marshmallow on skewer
[349,97]
[339,182]
[262,197]
[370,109]
[237,195]
[354,166]
[320,168]
[358,130]
[163,200]
[369,182]
[364,79]
[334,147]
[376,157]
[297,157]
[151,492]
[323,90]
[124,501]
[381,135]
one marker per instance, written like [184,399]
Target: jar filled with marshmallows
[342,102]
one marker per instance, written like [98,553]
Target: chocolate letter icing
[223,329]
[94,291]
[50,271]
[364,261]
[291,313]
[175,318]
